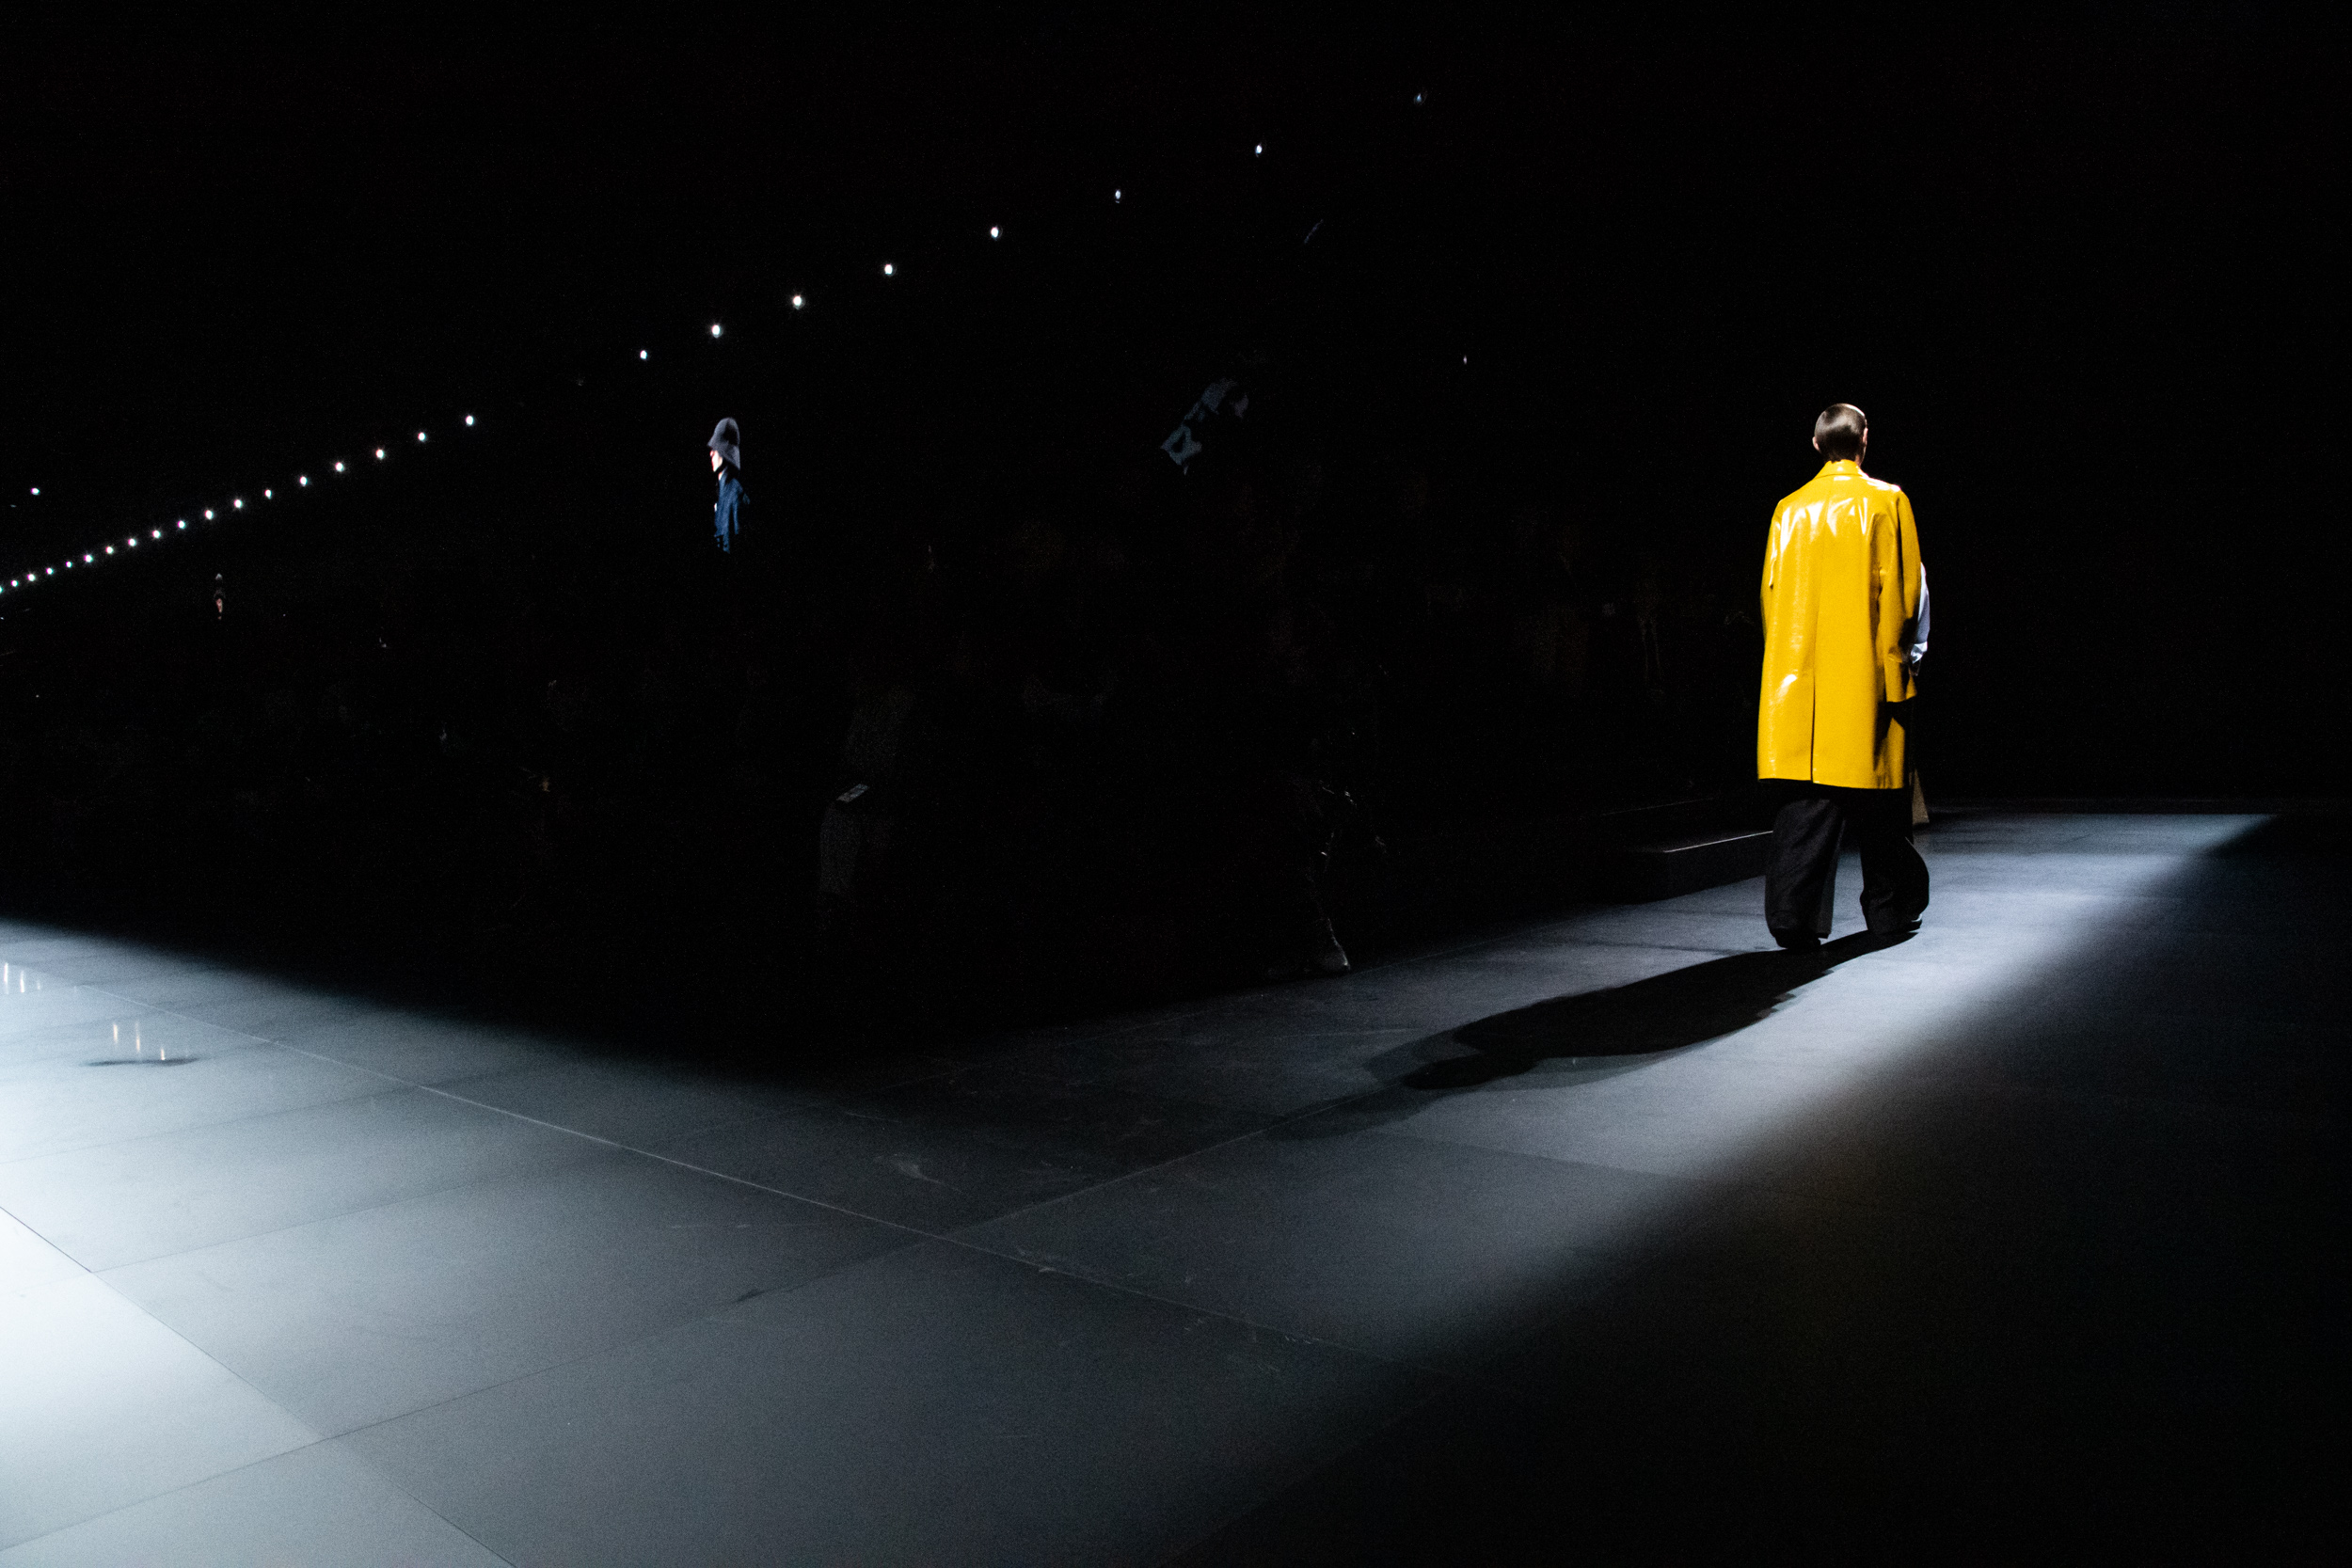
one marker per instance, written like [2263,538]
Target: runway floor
[1604,1238]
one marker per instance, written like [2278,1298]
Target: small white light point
[339,468]
[133,541]
[183,522]
[1259,150]
[994,232]
[469,421]
[714,329]
[238,503]
[156,533]
[798,302]
[208,513]
[889,271]
[1118,195]
[36,489]
[642,355]
[110,549]
[419,435]
[269,495]
[379,454]
[302,478]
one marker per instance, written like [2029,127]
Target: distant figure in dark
[1845,604]
[726,461]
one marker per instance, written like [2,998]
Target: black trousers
[1801,879]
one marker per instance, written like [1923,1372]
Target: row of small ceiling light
[96,555]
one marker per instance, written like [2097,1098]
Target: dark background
[1588,274]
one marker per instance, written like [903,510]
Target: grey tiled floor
[293,1277]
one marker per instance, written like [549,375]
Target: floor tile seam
[217,1365]
[169,1491]
[8,1160]
[1041,1076]
[688,1165]
[860,1214]
[244,1042]
[32,1230]
[33,966]
[168,1011]
[143,1008]
[396,1484]
[317,1440]
[109,981]
[1087,1277]
[1037,1076]
[1697,1185]
[486,1181]
[625,1342]
[801,1099]
[1109,1181]
[10,1040]
[913,1237]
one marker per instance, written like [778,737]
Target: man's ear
[1817,443]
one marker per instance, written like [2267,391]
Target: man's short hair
[1839,430]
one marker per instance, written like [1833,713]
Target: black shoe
[1797,942]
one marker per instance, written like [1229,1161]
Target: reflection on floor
[1612,1236]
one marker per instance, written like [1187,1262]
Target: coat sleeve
[1898,589]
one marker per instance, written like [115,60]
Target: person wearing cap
[726,461]
[1845,606]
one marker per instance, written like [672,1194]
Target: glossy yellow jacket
[1842,590]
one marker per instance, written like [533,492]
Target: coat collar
[1846,465]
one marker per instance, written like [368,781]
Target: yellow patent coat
[1842,590]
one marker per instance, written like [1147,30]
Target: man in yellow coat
[1844,627]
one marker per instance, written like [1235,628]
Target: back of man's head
[1839,430]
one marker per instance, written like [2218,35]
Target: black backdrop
[2071,267]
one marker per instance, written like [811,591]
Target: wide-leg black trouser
[1801,879]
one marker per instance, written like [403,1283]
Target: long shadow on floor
[1665,1012]
[2131,1349]
[1618,1029]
